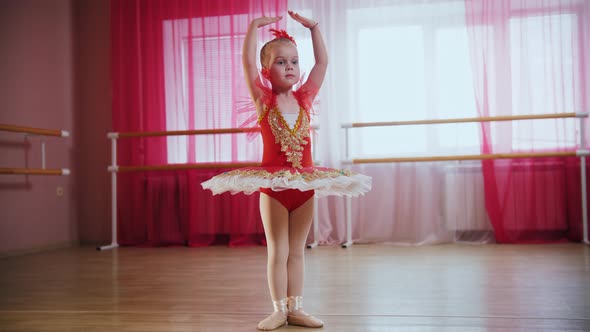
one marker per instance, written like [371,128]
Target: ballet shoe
[274,321]
[277,319]
[298,317]
[304,319]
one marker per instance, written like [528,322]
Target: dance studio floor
[362,288]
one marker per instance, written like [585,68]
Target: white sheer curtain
[394,61]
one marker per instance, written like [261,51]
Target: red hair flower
[282,34]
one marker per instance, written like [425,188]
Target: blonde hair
[265,51]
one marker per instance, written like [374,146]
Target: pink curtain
[529,57]
[169,74]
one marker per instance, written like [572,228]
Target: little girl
[287,179]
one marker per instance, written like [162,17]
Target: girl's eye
[280,62]
[295,62]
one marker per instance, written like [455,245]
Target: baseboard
[38,249]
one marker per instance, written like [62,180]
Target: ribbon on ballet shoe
[295,303]
[281,305]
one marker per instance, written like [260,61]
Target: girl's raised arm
[320,53]
[249,54]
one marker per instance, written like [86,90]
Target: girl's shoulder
[268,98]
[305,94]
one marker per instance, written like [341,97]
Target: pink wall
[93,119]
[55,68]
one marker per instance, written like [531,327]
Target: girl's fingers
[303,20]
[299,18]
[269,20]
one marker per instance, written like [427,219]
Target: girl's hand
[262,21]
[306,22]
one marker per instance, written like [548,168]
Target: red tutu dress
[287,172]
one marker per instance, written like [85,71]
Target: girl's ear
[265,73]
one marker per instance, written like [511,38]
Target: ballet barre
[582,153]
[34,171]
[466,120]
[35,132]
[181,166]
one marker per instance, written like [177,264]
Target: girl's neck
[283,92]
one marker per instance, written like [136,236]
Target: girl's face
[284,65]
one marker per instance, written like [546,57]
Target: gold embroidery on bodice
[292,140]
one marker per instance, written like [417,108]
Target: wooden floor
[362,288]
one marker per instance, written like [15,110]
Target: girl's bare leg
[275,219]
[299,224]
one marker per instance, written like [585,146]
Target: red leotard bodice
[285,146]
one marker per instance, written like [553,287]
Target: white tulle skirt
[325,181]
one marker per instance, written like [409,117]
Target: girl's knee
[295,255]
[279,256]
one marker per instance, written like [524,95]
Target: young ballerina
[287,179]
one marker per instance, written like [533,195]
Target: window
[543,63]
[413,62]
[204,88]
[411,67]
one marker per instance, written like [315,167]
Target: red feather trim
[282,34]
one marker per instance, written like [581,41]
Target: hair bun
[282,34]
